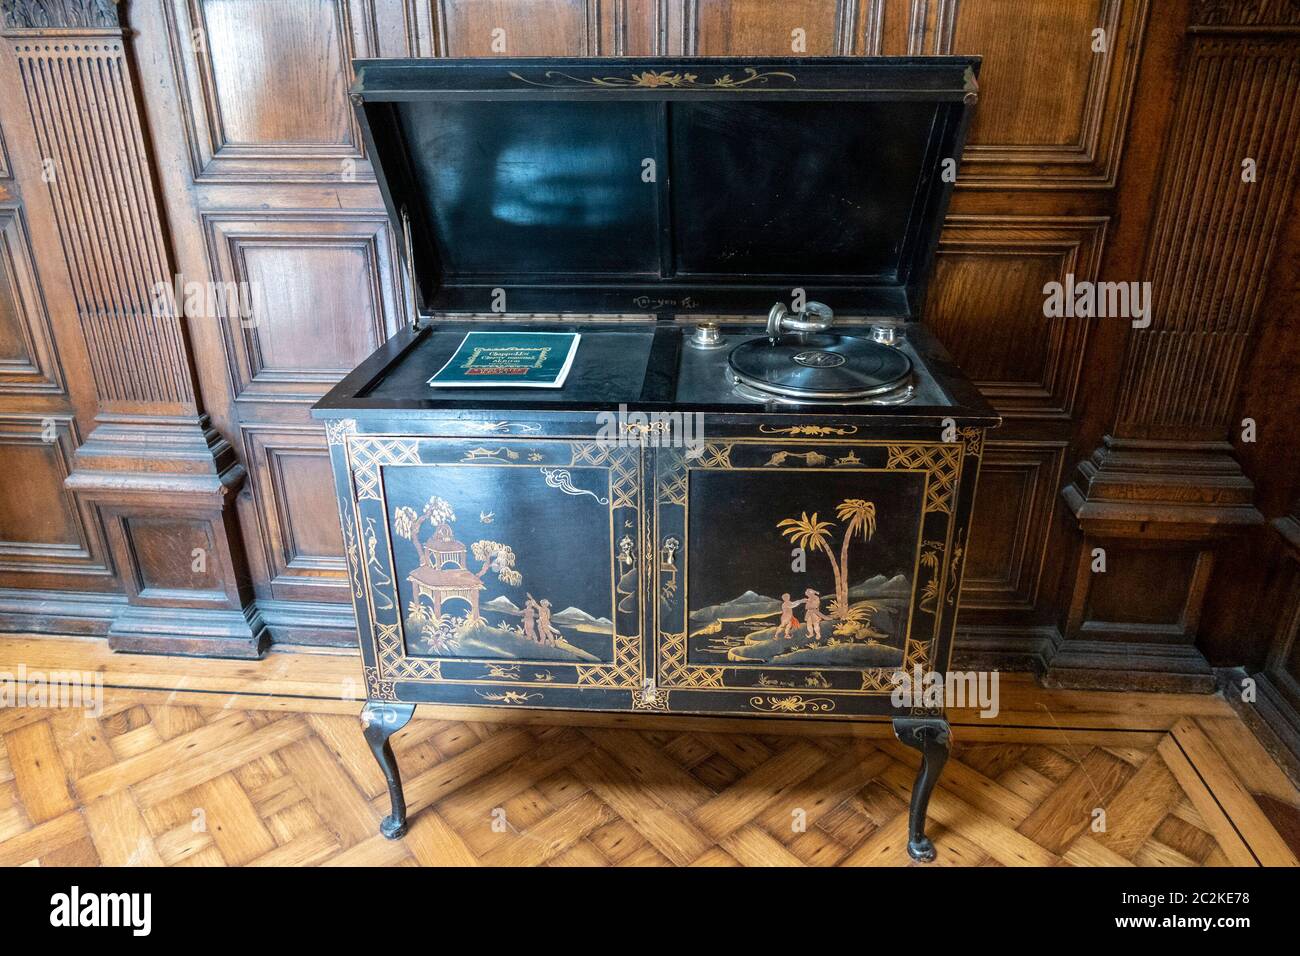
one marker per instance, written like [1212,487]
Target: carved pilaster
[1164,487]
[159,476]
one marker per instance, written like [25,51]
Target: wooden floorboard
[263,764]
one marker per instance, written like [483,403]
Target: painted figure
[789,623]
[550,636]
[530,619]
[813,614]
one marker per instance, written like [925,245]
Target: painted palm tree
[860,516]
[812,534]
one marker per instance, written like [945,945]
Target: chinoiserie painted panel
[488,567]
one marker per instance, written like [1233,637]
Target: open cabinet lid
[699,185]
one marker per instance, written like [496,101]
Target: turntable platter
[820,367]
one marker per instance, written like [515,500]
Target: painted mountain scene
[830,585]
[484,574]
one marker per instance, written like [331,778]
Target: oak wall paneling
[1166,470]
[289,206]
[248,167]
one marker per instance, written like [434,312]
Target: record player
[751,492]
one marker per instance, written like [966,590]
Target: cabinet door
[501,571]
[799,577]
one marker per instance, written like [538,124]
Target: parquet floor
[192,778]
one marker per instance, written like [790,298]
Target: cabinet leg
[379,721]
[929,735]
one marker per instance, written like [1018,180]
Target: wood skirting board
[269,752]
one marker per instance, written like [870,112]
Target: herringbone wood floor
[188,779]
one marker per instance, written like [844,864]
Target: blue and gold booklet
[509,360]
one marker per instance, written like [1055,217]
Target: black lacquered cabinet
[662,534]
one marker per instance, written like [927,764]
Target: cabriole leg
[929,735]
[380,720]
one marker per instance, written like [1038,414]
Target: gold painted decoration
[492,428]
[650,700]
[562,479]
[658,79]
[974,439]
[954,568]
[673,669]
[443,572]
[812,459]
[369,454]
[878,680]
[491,454]
[373,566]
[941,462]
[509,696]
[337,431]
[792,704]
[932,562]
[353,555]
[812,431]
[377,688]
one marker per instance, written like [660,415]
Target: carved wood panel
[43,530]
[500,28]
[28,361]
[986,303]
[298,523]
[1212,241]
[256,105]
[320,292]
[1011,524]
[1055,94]
[794,28]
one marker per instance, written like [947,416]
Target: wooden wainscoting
[239,763]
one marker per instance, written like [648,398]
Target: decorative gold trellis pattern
[594,454]
[625,670]
[715,455]
[393,662]
[673,482]
[369,453]
[878,680]
[942,462]
[623,463]
[675,672]
[918,655]
[624,481]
